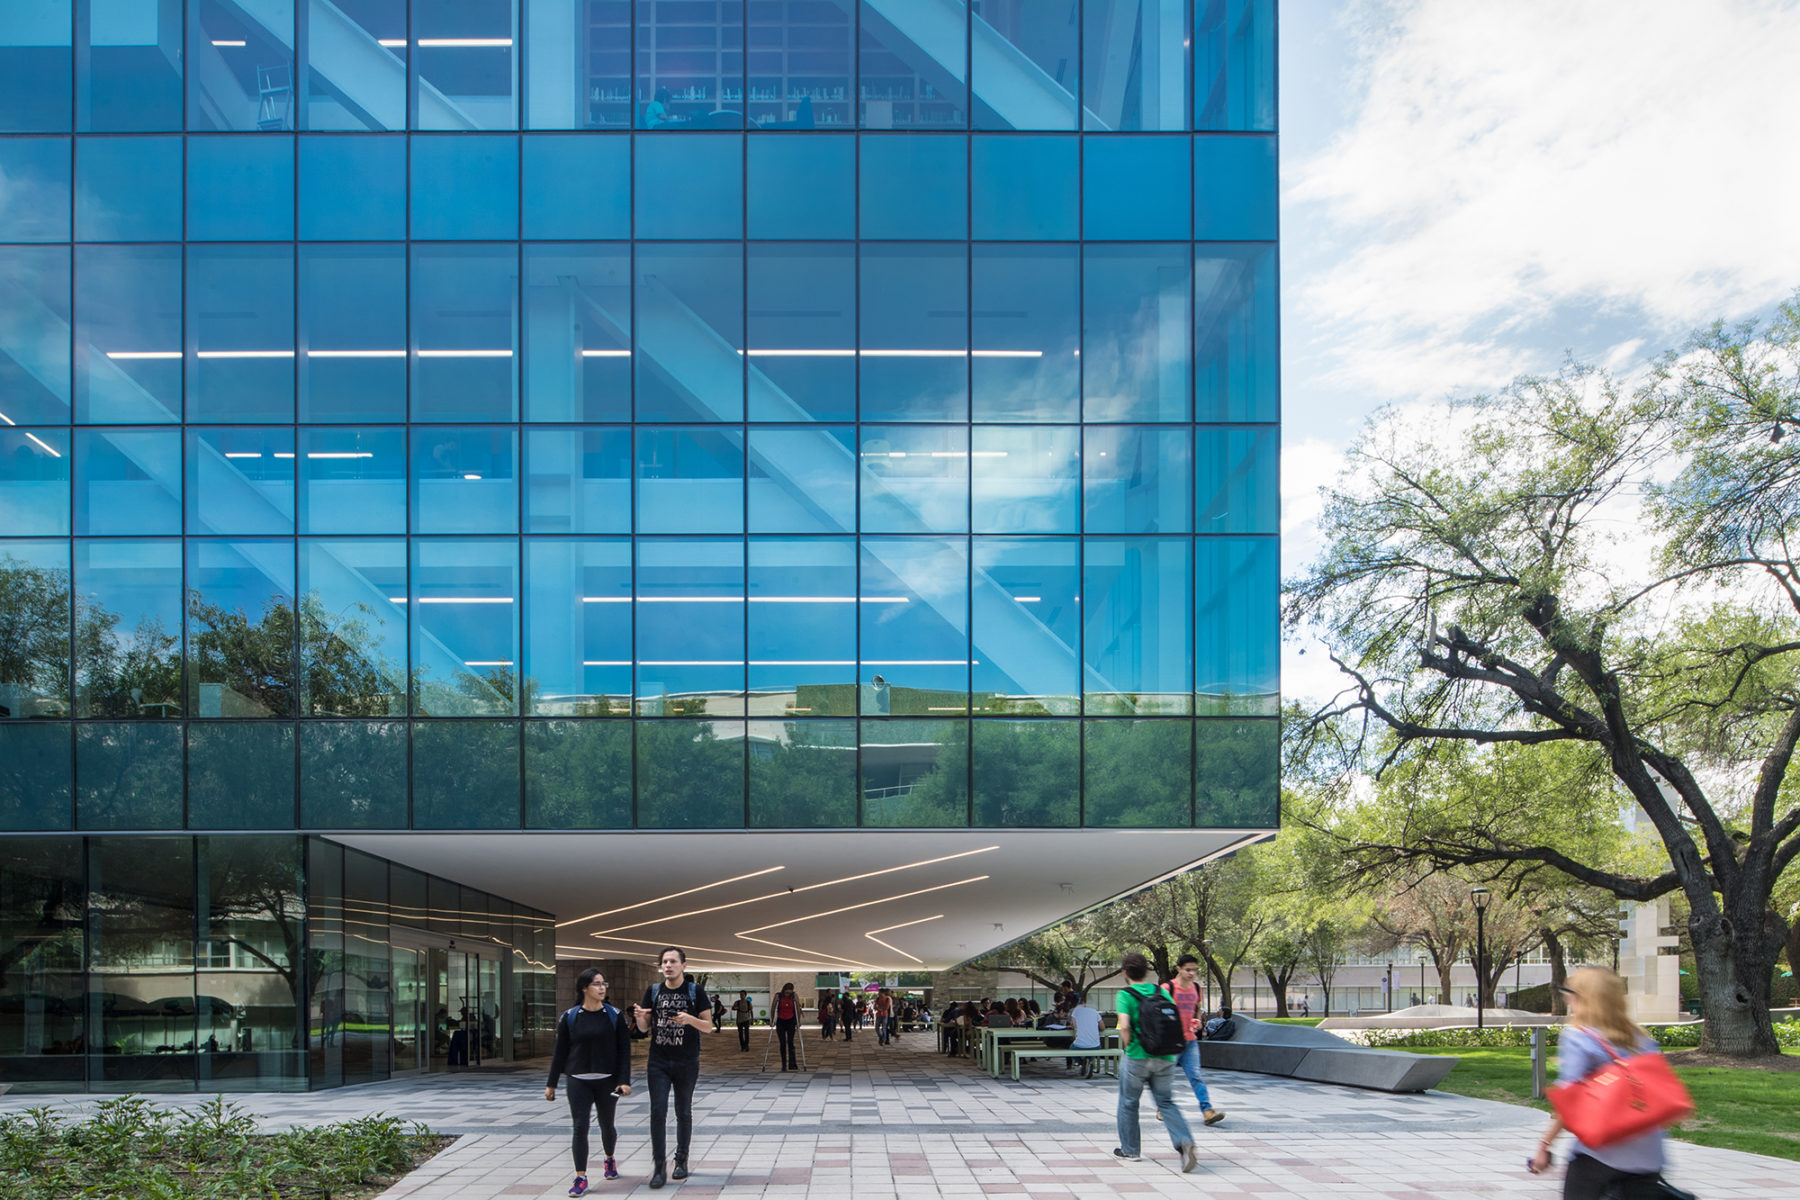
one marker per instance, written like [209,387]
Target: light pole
[1480,896]
[1422,999]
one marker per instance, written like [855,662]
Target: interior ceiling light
[671,896]
[807,955]
[864,904]
[463,43]
[47,448]
[902,925]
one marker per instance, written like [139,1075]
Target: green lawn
[1737,1109]
[1292,1020]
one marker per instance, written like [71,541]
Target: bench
[1108,1056]
[1319,1056]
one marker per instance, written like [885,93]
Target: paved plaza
[903,1122]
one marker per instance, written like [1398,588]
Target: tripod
[799,1045]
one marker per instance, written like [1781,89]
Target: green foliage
[1669,1037]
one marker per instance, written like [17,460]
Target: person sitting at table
[998,1017]
[1084,1019]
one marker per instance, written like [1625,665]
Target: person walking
[593,1046]
[884,1007]
[827,1017]
[1150,1032]
[1185,990]
[744,1011]
[785,1010]
[846,1014]
[674,1015]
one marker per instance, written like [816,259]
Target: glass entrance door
[465,1008]
[411,1028]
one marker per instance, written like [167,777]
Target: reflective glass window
[578,480]
[1237,347]
[141,895]
[580,73]
[915,333]
[1025,189]
[1237,774]
[1234,65]
[467,64]
[690,627]
[1135,334]
[801,187]
[577,329]
[802,480]
[1135,189]
[690,65]
[803,626]
[240,775]
[1025,479]
[367,965]
[577,775]
[128,629]
[465,186]
[1137,774]
[465,629]
[1137,479]
[465,332]
[353,327]
[576,186]
[240,637]
[1235,196]
[913,66]
[802,774]
[691,187]
[914,618]
[802,332]
[1137,631]
[36,778]
[465,480]
[352,480]
[240,189]
[127,66]
[465,775]
[240,332]
[915,478]
[34,350]
[1237,480]
[253,896]
[578,615]
[1026,333]
[1026,621]
[36,875]
[128,189]
[355,63]
[352,189]
[353,775]
[34,207]
[127,481]
[36,88]
[915,774]
[1135,64]
[128,777]
[1027,774]
[128,334]
[240,480]
[34,481]
[800,66]
[690,481]
[690,333]
[1026,65]
[690,774]
[914,186]
[34,675]
[353,628]
[1237,645]
[240,66]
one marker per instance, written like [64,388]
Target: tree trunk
[1559,971]
[1278,989]
[1734,956]
[1793,949]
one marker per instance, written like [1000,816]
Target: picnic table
[991,1049]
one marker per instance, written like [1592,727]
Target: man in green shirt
[1139,1067]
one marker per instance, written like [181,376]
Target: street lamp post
[1422,999]
[1480,896]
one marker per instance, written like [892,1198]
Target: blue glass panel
[1025,65]
[465,333]
[1237,773]
[577,186]
[240,66]
[465,775]
[915,478]
[128,189]
[34,482]
[240,480]
[128,629]
[353,775]
[690,627]
[352,480]
[802,187]
[914,618]
[578,613]
[1237,480]
[1234,64]
[42,871]
[690,333]
[802,480]
[34,335]
[580,65]
[35,579]
[578,481]
[1137,479]
[1237,645]
[465,628]
[1134,57]
[127,481]
[1137,774]
[241,630]
[577,333]
[915,774]
[915,186]
[36,90]
[1237,346]
[1027,773]
[690,481]
[1026,330]
[690,65]
[35,206]
[812,85]
[355,58]
[1137,608]
[1026,622]
[128,334]
[240,189]
[915,333]
[240,333]
[36,774]
[691,187]
[1135,334]
[1135,189]
[465,186]
[690,774]
[465,480]
[467,64]
[240,775]
[1026,480]
[1235,195]
[353,628]
[912,67]
[803,625]
[1026,189]
[801,329]
[577,775]
[127,66]
[352,189]
[802,774]
[130,775]
[353,327]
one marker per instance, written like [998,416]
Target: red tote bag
[1626,1098]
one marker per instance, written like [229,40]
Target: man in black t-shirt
[671,1016]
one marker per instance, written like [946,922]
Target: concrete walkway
[871,1122]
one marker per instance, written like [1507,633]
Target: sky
[1474,191]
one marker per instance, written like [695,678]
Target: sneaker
[612,1168]
[1213,1116]
[1190,1158]
[1159,1114]
[579,1187]
[657,1178]
[680,1171]
[1118,1153]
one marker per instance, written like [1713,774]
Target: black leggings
[785,1028]
[1590,1179]
[586,1095]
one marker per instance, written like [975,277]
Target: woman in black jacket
[593,1047]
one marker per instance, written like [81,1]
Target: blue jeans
[1190,1066]
[1159,1073]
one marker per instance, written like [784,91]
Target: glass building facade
[626,414]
